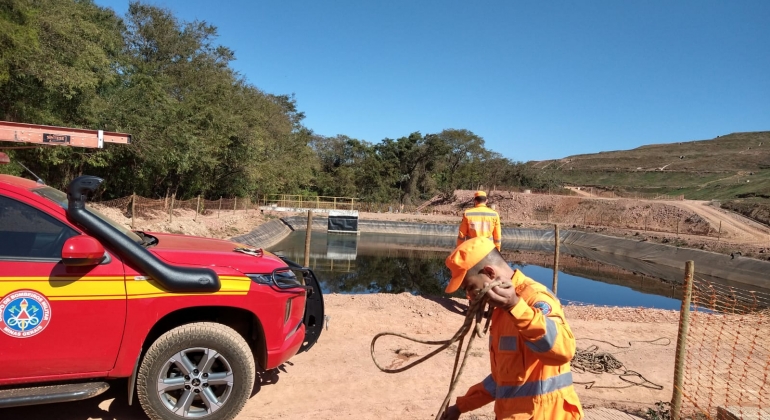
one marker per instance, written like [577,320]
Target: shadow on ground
[449,304]
[112,405]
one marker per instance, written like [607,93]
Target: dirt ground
[337,379]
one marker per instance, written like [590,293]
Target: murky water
[376,263]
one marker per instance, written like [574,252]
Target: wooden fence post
[171,209]
[307,237]
[555,259]
[133,210]
[197,208]
[235,203]
[220,206]
[719,234]
[681,341]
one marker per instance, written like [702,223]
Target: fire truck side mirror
[82,250]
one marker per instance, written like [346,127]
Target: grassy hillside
[728,167]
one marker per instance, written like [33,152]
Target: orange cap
[480,194]
[464,257]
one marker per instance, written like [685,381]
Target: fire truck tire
[199,370]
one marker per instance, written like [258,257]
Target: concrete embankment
[656,260]
[266,234]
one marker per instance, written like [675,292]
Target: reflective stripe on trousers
[528,389]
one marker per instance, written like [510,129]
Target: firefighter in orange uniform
[480,221]
[530,342]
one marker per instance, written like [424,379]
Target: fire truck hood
[194,250]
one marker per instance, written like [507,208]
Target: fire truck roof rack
[45,135]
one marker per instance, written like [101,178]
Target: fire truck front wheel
[202,370]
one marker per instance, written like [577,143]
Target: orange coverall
[530,349]
[480,221]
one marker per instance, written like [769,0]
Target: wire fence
[675,221]
[137,206]
[727,359]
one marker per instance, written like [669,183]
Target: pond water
[377,263]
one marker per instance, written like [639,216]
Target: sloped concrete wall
[658,260]
[266,234]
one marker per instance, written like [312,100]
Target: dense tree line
[198,126]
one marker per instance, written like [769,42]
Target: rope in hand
[473,320]
[592,361]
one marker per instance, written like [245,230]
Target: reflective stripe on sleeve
[490,385]
[545,343]
[470,214]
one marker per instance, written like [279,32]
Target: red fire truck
[185,320]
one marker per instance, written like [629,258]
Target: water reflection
[375,263]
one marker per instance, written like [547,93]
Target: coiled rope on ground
[591,360]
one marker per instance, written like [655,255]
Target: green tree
[56,59]
[464,152]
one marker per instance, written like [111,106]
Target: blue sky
[536,80]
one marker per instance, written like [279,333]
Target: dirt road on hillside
[734,226]
[581,192]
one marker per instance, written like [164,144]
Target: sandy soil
[337,379]
[222,225]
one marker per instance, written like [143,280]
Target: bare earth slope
[737,227]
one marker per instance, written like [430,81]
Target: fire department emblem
[543,306]
[24,313]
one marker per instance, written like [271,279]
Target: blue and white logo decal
[544,307]
[24,313]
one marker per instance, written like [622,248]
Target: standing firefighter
[530,342]
[480,221]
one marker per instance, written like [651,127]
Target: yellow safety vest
[480,221]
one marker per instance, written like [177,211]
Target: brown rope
[473,320]
[592,361]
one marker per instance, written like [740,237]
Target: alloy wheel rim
[195,382]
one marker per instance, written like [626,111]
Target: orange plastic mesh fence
[728,352]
